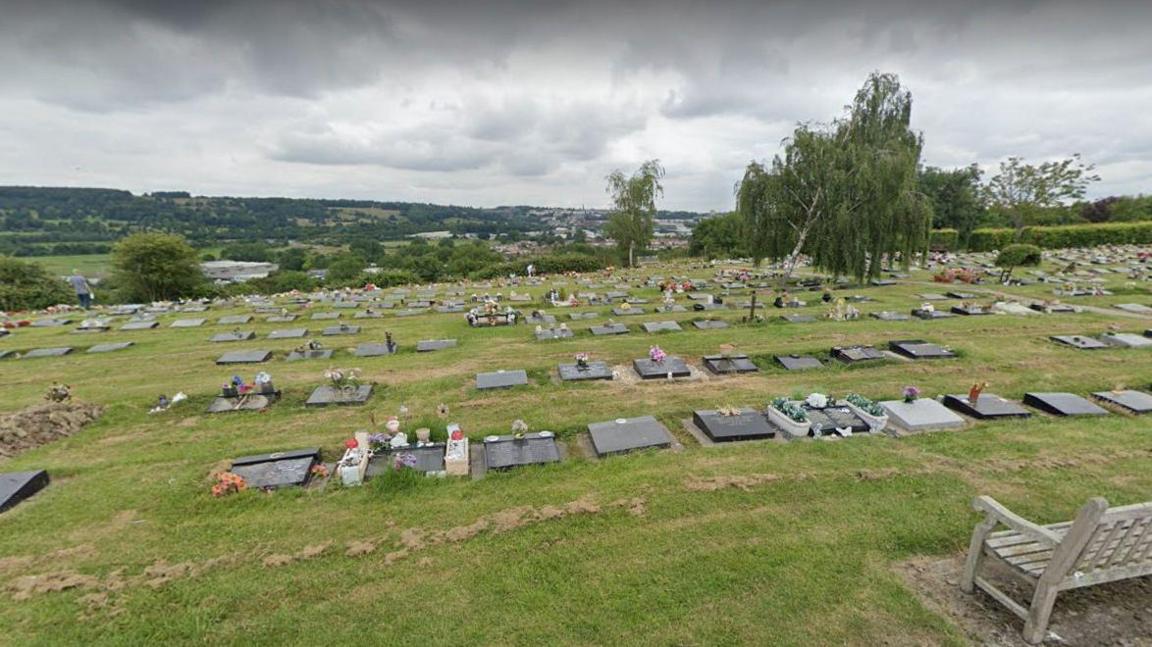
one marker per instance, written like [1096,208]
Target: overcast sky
[490,103]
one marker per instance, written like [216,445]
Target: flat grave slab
[1063,404]
[649,370]
[988,405]
[627,312]
[4,354]
[235,335]
[18,486]
[234,320]
[371,349]
[280,319]
[323,316]
[543,319]
[675,307]
[290,333]
[931,315]
[1079,341]
[95,328]
[609,329]
[501,379]
[834,419]
[856,354]
[967,296]
[710,324]
[628,434]
[661,326]
[797,318]
[707,307]
[187,323]
[746,424]
[108,348]
[332,331]
[799,362]
[410,312]
[969,311]
[427,458]
[580,316]
[1135,308]
[296,355]
[140,325]
[50,323]
[548,334]
[245,357]
[920,349]
[277,470]
[932,296]
[887,315]
[327,395]
[46,352]
[346,305]
[594,371]
[253,402]
[923,414]
[508,451]
[1125,340]
[728,364]
[429,345]
[1137,402]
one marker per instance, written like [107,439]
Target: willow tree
[633,219]
[844,193]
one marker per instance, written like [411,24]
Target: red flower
[351,443]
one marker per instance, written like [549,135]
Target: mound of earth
[41,424]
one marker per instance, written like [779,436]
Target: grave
[370,314]
[609,329]
[627,312]
[547,334]
[920,349]
[280,469]
[18,486]
[887,315]
[321,316]
[1134,308]
[428,458]
[501,379]
[856,354]
[245,357]
[798,362]
[972,310]
[745,424]
[508,451]
[923,414]
[594,371]
[577,316]
[662,326]
[409,312]
[1078,341]
[727,364]
[46,352]
[297,355]
[650,370]
[1125,340]
[281,319]
[797,318]
[833,418]
[108,348]
[5,354]
[290,333]
[234,320]
[932,296]
[139,325]
[1063,404]
[931,315]
[93,328]
[541,318]
[1137,402]
[235,335]
[372,349]
[987,406]
[710,324]
[429,345]
[187,323]
[1052,308]
[705,307]
[50,323]
[250,402]
[628,434]
[346,305]
[323,396]
[965,296]
[342,329]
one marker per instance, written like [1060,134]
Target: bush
[1018,255]
[1113,233]
[28,286]
[944,240]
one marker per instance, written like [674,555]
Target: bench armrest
[994,510]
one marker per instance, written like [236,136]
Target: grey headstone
[723,365]
[341,330]
[234,320]
[856,354]
[281,319]
[245,357]
[931,315]
[318,316]
[187,323]
[371,349]
[296,355]
[919,349]
[796,318]
[609,329]
[50,323]
[549,334]
[710,324]
[140,325]
[1063,404]
[544,319]
[46,352]
[748,424]
[280,469]
[429,458]
[1135,308]
[594,371]
[627,312]
[628,434]
[661,326]
[891,316]
[832,418]
[967,296]
[428,345]
[501,379]
[326,395]
[971,310]
[508,451]
[649,370]
[1079,341]
[108,348]
[988,405]
[233,336]
[923,414]
[1125,340]
[799,362]
[368,314]
[291,333]
[1133,401]
[18,486]
[578,316]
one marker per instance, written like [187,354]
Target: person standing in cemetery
[83,290]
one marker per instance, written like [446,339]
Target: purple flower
[911,393]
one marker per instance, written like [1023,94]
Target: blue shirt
[80,284]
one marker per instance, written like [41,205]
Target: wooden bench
[1101,545]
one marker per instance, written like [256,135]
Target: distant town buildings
[236,271]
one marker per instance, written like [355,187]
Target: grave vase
[789,426]
[875,423]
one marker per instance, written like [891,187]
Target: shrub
[28,286]
[944,240]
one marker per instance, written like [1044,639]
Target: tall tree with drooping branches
[633,219]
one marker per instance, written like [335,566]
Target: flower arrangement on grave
[864,404]
[728,410]
[263,382]
[793,411]
[319,470]
[378,443]
[657,354]
[59,392]
[342,378]
[582,361]
[817,400]
[910,394]
[975,391]
[227,483]
[625,306]
[404,460]
[519,428]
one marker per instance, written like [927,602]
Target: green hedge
[946,240]
[1058,237]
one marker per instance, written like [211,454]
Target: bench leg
[975,553]
[1039,613]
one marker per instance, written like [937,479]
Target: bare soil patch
[41,424]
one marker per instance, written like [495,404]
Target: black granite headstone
[429,345]
[245,357]
[297,355]
[726,364]
[327,395]
[919,349]
[856,354]
[747,424]
[429,458]
[628,434]
[832,418]
[609,329]
[280,469]
[1063,404]
[501,379]
[626,312]
[987,406]
[594,371]
[18,486]
[233,336]
[931,315]
[799,362]
[1137,402]
[108,348]
[508,451]
[650,370]
[971,310]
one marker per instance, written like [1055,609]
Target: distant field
[89,264]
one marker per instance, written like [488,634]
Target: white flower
[817,400]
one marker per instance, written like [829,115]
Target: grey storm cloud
[505,101]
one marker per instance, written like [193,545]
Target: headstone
[1125,340]
[726,364]
[508,451]
[628,434]
[835,419]
[18,486]
[577,316]
[745,424]
[1079,341]
[368,314]
[187,323]
[887,315]
[234,320]
[372,349]
[609,329]
[931,315]
[626,312]
[662,326]
[1133,401]
[46,352]
[972,310]
[139,325]
[429,458]
[50,323]
[919,349]
[281,319]
[290,333]
[856,354]
[923,414]
[326,395]
[710,324]
[594,371]
[245,357]
[650,370]
[429,345]
[966,296]
[297,355]
[799,362]
[108,348]
[797,318]
[235,335]
[321,316]
[543,319]
[1063,404]
[1135,308]
[341,330]
[1053,308]
[501,379]
[280,469]
[987,406]
[548,334]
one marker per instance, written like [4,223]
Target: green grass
[98,265]
[801,559]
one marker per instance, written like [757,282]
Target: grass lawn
[97,265]
[746,543]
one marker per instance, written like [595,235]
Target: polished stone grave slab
[1052,308]
[1063,404]
[187,323]
[235,335]
[19,486]
[326,395]
[674,308]
[661,326]
[50,323]
[549,334]
[342,329]
[429,345]
[140,325]
[296,355]
[932,296]
[920,349]
[627,312]
[1079,341]
[887,315]
[108,348]
[923,414]
[799,362]
[856,354]
[94,328]
[650,370]
[501,379]
[427,458]
[707,307]
[1135,308]
[710,324]
[46,352]
[508,451]
[276,470]
[930,315]
[966,296]
[834,419]
[245,357]
[594,371]
[372,349]
[628,434]
[747,424]
[543,319]
[281,319]
[233,320]
[1125,340]
[969,311]
[322,316]
[988,405]
[290,333]
[728,364]
[579,316]
[609,329]
[1132,401]
[797,318]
